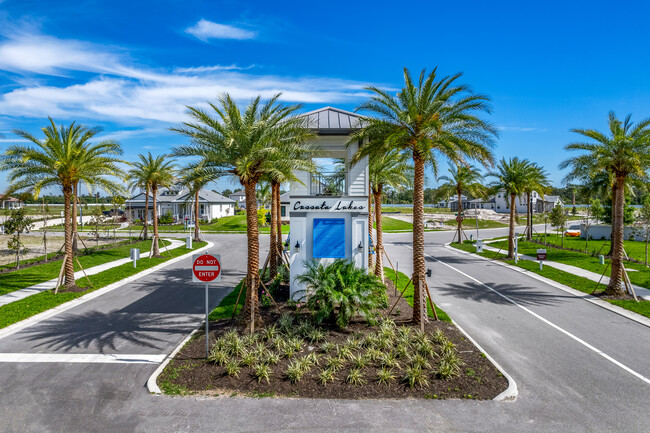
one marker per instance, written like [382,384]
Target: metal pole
[207,337]
[476,213]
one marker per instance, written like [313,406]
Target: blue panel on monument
[329,238]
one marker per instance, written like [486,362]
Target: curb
[152,386]
[578,294]
[12,329]
[511,392]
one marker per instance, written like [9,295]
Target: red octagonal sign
[206,268]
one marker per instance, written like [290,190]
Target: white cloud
[199,69]
[520,129]
[135,95]
[206,30]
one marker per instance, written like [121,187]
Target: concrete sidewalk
[49,285]
[641,292]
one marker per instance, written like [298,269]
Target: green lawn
[408,295]
[22,278]
[634,249]
[86,228]
[234,223]
[24,308]
[585,261]
[409,209]
[225,307]
[582,284]
[389,224]
[470,223]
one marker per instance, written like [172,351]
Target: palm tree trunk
[529,219]
[418,239]
[251,308]
[278,228]
[75,248]
[511,229]
[459,217]
[273,245]
[379,263]
[69,263]
[146,210]
[377,251]
[197,237]
[614,286]
[156,247]
[612,235]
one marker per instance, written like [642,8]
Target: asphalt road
[566,355]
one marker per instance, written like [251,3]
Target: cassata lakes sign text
[328,205]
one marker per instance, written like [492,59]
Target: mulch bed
[190,372]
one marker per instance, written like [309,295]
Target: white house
[7,202]
[180,205]
[285,201]
[329,213]
[239,197]
[540,204]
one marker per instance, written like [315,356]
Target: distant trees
[463,179]
[558,219]
[17,223]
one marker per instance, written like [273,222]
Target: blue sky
[132,66]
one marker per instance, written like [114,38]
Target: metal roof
[333,121]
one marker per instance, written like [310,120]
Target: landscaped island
[294,355]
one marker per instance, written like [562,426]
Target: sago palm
[244,144]
[624,151]
[462,179]
[511,176]
[428,119]
[63,158]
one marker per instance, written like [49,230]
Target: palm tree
[511,177]
[263,193]
[623,152]
[161,174]
[464,178]
[537,181]
[138,177]
[282,171]
[195,179]
[386,169]
[428,119]
[244,145]
[63,158]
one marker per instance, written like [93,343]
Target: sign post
[206,267]
[541,256]
[135,255]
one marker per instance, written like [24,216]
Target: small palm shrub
[334,363]
[339,291]
[355,377]
[414,376]
[232,368]
[327,347]
[219,357]
[263,371]
[385,376]
[326,375]
[294,372]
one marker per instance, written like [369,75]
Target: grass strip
[35,304]
[225,308]
[27,277]
[582,284]
[408,295]
[233,223]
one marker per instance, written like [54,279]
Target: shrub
[355,377]
[334,363]
[262,371]
[338,292]
[166,219]
[232,368]
[415,376]
[325,376]
[294,372]
[385,376]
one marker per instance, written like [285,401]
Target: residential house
[239,197]
[7,202]
[178,203]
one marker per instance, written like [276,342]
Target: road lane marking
[94,358]
[553,325]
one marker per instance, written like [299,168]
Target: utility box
[479,245]
[188,242]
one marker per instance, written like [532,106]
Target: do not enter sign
[206,268]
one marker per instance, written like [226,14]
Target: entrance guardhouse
[329,211]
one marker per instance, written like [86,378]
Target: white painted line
[93,358]
[553,325]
